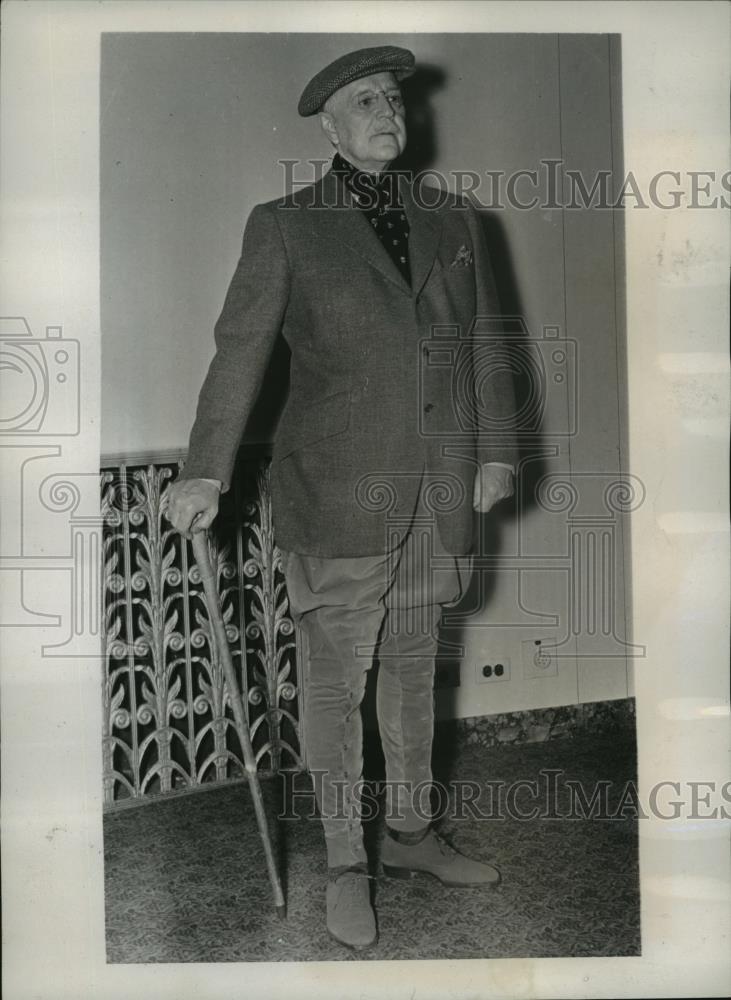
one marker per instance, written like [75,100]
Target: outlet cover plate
[539,657]
[492,677]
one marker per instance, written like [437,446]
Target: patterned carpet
[185,879]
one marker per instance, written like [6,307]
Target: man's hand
[492,483]
[192,505]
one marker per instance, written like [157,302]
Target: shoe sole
[408,873]
[350,945]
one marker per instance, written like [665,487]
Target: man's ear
[329,127]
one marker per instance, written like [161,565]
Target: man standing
[383,434]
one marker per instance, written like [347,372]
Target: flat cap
[354,66]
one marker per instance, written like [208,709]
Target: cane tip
[282,912]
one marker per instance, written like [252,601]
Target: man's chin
[386,147]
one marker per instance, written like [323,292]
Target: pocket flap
[315,422]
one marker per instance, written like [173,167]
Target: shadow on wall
[418,90]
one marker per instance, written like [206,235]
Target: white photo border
[675,59]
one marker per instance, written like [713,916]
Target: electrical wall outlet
[539,658]
[497,669]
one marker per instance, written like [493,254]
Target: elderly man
[379,447]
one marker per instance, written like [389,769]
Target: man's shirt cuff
[215,482]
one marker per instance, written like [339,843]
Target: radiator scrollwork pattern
[168,723]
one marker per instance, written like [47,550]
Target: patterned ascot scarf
[377,198]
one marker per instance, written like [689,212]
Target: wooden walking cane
[203,558]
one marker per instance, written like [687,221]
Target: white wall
[193,127]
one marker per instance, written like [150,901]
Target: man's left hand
[492,484]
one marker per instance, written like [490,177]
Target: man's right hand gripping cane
[192,505]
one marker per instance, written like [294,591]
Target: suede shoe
[350,917]
[434,856]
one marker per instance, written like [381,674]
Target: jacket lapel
[336,217]
[425,228]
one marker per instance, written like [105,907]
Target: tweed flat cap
[354,66]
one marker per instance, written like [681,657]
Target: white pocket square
[463,257]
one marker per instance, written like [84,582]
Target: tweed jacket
[393,388]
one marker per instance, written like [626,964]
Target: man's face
[365,120]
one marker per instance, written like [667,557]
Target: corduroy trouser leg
[351,610]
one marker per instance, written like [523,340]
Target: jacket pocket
[314,422]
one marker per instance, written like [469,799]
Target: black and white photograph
[420,363]
[384,439]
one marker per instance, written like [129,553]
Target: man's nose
[385,108]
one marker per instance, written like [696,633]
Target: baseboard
[537,725]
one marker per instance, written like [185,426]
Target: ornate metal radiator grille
[167,721]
